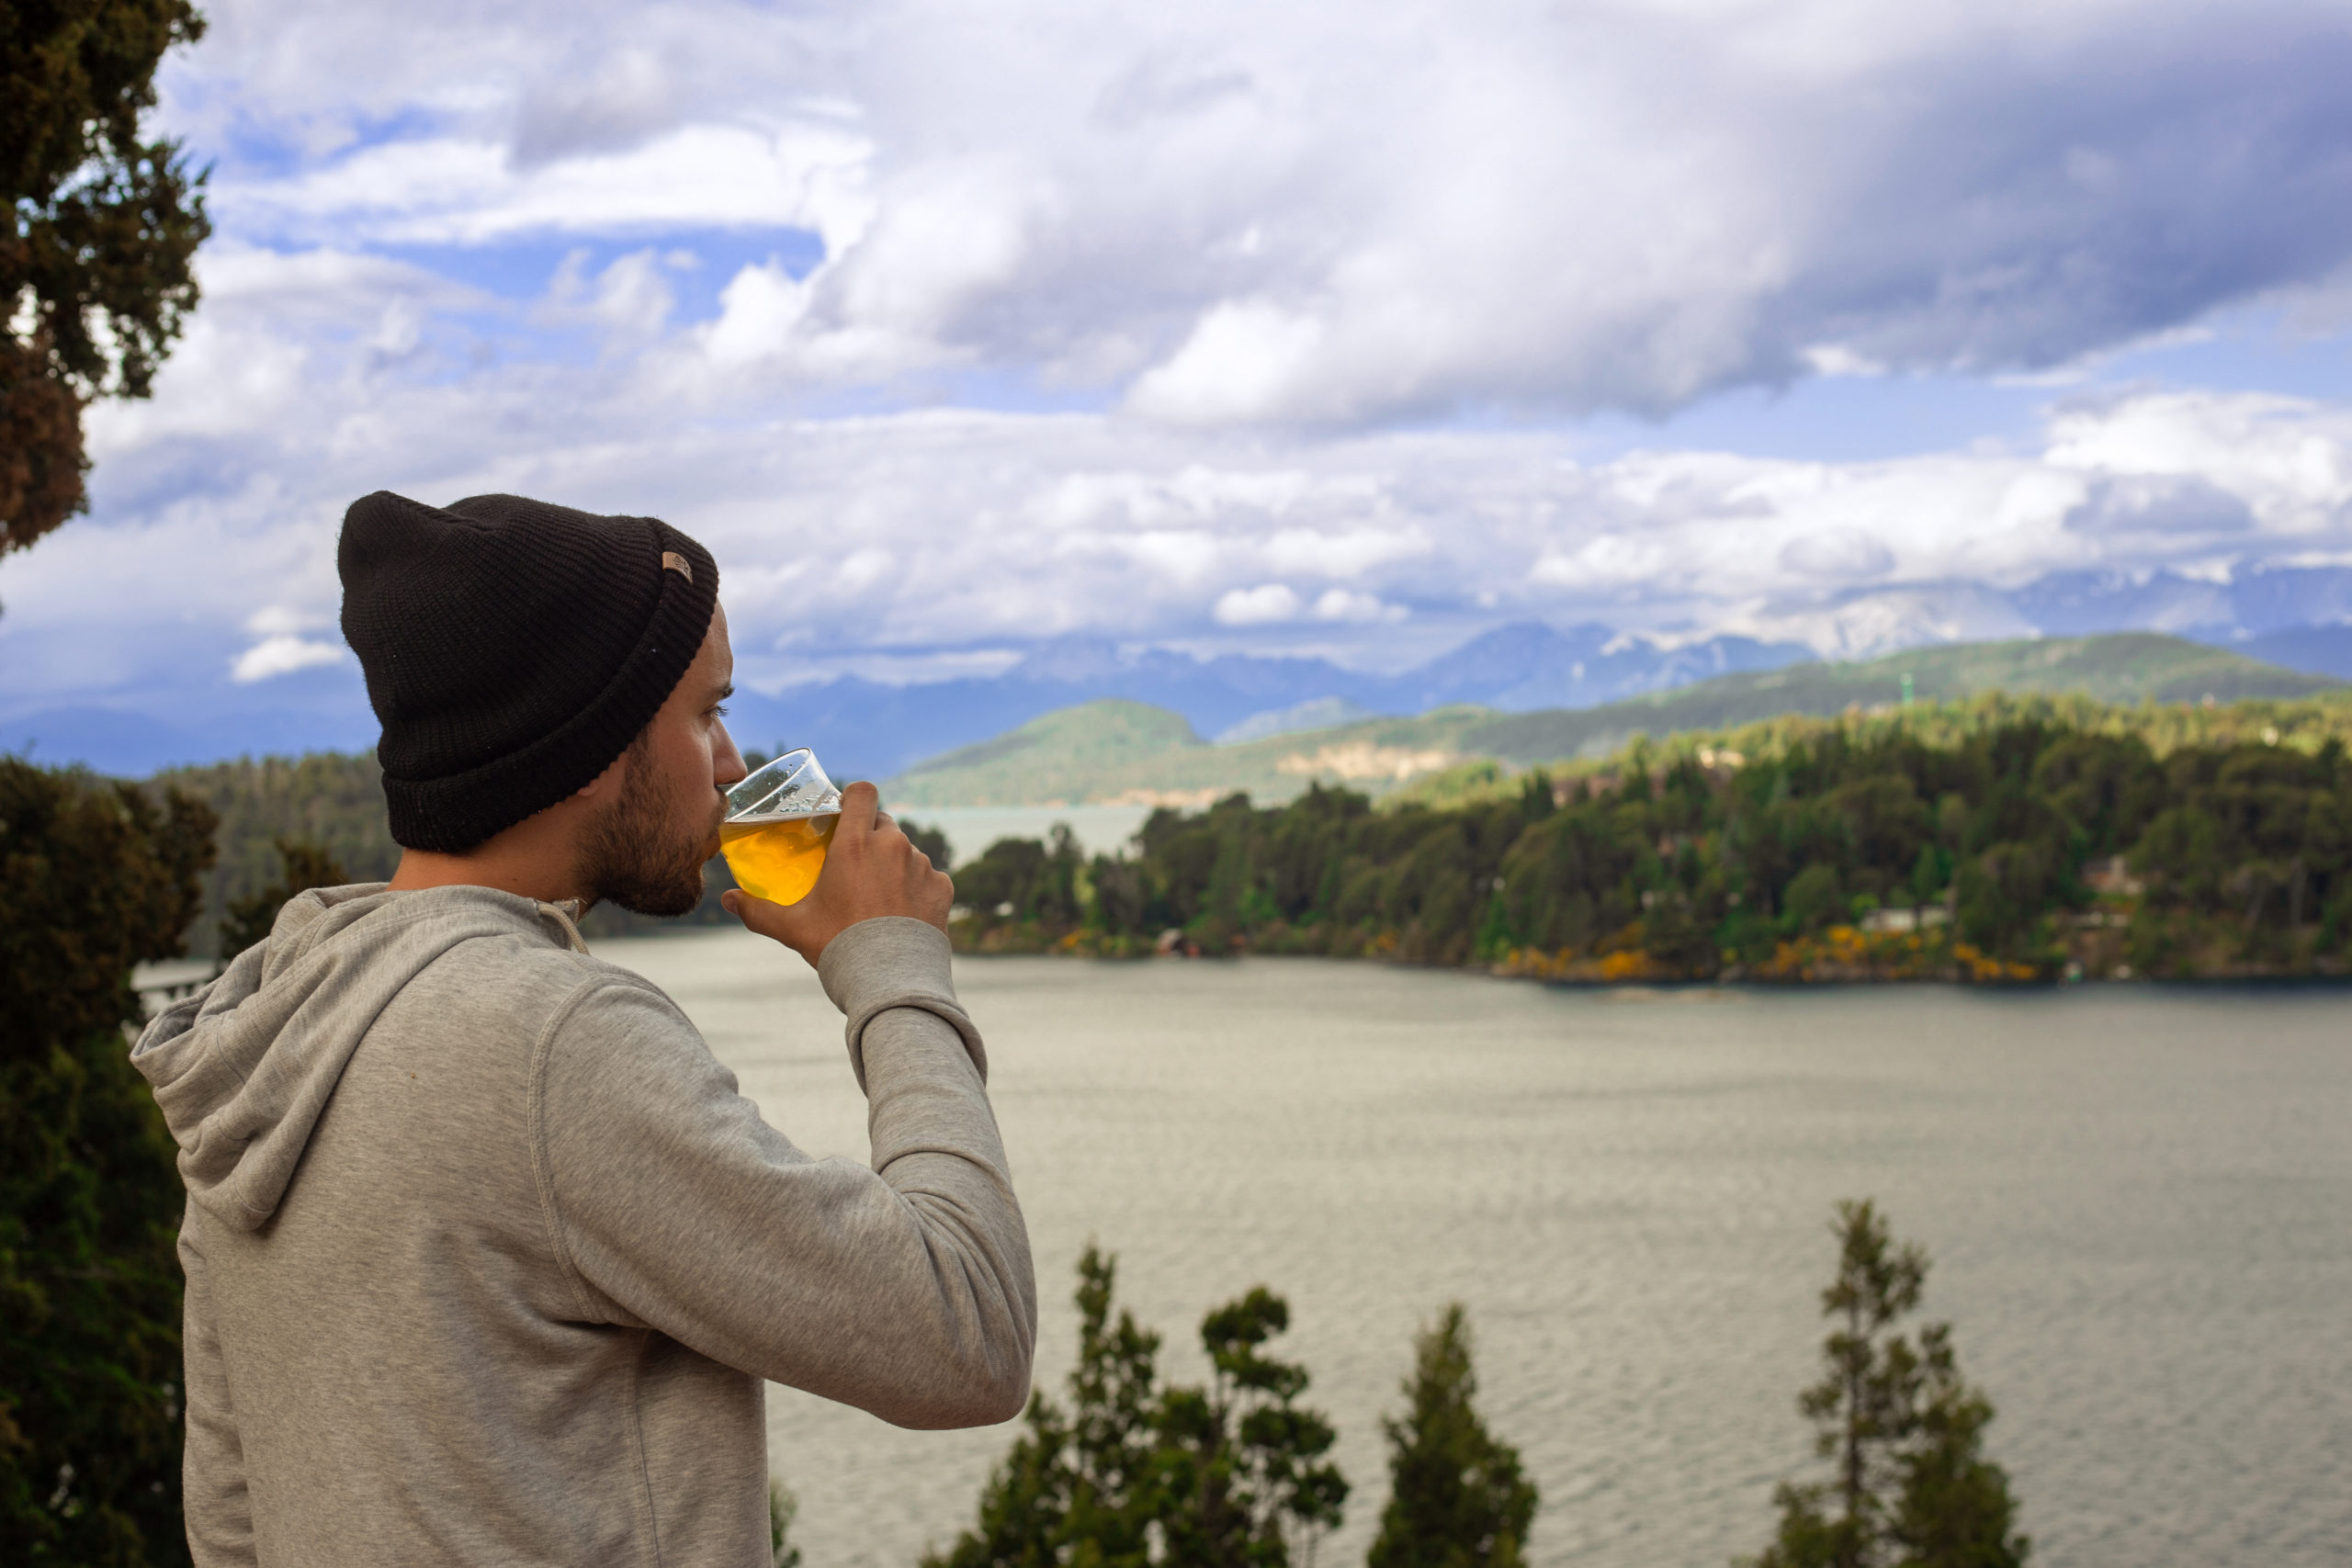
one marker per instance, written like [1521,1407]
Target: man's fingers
[873,871]
[860,803]
[756,913]
[778,922]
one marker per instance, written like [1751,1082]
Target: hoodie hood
[243,1069]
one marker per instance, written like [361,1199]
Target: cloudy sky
[1350,327]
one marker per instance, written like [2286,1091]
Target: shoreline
[1843,955]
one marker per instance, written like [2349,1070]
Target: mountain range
[2300,618]
[1125,752]
[2294,618]
[879,729]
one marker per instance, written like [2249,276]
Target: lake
[2138,1202]
[970,829]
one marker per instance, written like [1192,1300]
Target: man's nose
[727,762]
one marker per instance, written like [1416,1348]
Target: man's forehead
[718,653]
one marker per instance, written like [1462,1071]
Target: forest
[2021,848]
[1999,839]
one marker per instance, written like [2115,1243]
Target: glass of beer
[779,823]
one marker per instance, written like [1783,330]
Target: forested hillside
[1764,849]
[2028,849]
[2130,669]
[333,800]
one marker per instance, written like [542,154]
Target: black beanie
[512,649]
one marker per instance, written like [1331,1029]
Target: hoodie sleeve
[905,1290]
[212,1464]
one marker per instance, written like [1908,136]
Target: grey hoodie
[487,1258]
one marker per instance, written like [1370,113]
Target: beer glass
[779,823]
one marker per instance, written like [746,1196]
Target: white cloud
[1246,360]
[1838,555]
[912,534]
[1326,213]
[1344,553]
[282,656]
[469,190]
[281,621]
[1359,609]
[1245,249]
[1262,605]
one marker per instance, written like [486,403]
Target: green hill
[1117,753]
[1064,756]
[2126,667]
[1113,752]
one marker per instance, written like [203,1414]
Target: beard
[635,853]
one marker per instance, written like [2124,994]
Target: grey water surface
[2138,1202]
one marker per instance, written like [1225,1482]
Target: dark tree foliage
[932,841]
[1024,879]
[1909,1486]
[103,222]
[2245,852]
[328,799]
[1216,1477]
[1241,1463]
[1457,1498]
[94,878]
[303,867]
[335,801]
[783,1509]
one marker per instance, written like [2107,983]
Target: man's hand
[870,871]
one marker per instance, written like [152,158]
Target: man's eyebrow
[723,692]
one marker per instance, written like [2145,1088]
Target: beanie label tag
[672,561]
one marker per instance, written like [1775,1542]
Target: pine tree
[96,248]
[1457,1498]
[783,1509]
[1240,1460]
[1910,1487]
[1024,1506]
[1076,1489]
[1954,1510]
[1216,1477]
[303,867]
[94,878]
[1114,1435]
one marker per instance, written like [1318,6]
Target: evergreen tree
[94,878]
[932,841]
[1457,1495]
[96,251]
[334,800]
[1113,1429]
[1076,1489]
[1199,1478]
[303,867]
[1910,1487]
[1954,1509]
[1024,1506]
[782,1508]
[1239,1459]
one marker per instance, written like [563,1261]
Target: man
[486,1258]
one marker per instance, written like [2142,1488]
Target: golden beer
[778,860]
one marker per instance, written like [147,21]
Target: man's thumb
[773,920]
